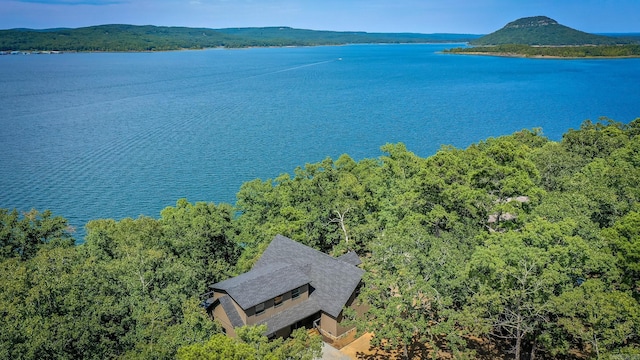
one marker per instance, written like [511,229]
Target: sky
[421,16]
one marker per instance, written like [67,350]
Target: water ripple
[118,135]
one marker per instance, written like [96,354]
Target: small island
[543,37]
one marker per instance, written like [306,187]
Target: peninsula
[540,36]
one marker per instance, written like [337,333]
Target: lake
[114,135]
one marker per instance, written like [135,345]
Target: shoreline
[525,56]
[58,52]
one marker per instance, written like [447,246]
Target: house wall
[342,329]
[359,308]
[329,324]
[221,316]
[220,293]
[333,325]
[270,309]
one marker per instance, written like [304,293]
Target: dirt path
[361,349]
[331,353]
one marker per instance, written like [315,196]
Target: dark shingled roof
[334,280]
[351,258]
[286,265]
[290,316]
[230,310]
[259,285]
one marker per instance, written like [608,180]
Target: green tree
[252,344]
[151,291]
[516,276]
[219,347]
[601,319]
[597,139]
[23,236]
[624,241]
[556,165]
[203,236]
[409,305]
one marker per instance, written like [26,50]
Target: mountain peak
[541,30]
[533,21]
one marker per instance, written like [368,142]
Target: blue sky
[425,16]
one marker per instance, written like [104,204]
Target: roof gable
[259,285]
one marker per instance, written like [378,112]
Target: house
[291,286]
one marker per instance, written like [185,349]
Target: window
[295,293]
[277,301]
[259,309]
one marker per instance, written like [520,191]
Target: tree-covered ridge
[603,51]
[159,38]
[111,38]
[541,30]
[516,246]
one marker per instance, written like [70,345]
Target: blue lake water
[117,135]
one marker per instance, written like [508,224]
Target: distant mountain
[160,38]
[541,30]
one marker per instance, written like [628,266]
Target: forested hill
[159,38]
[516,247]
[541,30]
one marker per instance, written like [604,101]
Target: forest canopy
[516,246]
[162,38]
